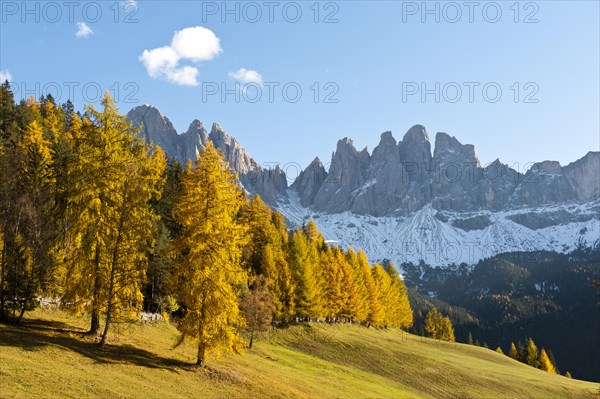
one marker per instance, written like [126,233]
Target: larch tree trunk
[111,287]
[95,322]
[201,354]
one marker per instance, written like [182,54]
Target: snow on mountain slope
[442,238]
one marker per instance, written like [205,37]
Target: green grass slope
[48,357]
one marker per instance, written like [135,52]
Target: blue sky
[373,59]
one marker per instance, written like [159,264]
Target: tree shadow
[36,334]
[49,325]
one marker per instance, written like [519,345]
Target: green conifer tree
[532,355]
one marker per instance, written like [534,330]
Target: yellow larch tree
[333,290]
[362,292]
[446,331]
[264,254]
[208,268]
[382,282]
[35,203]
[433,323]
[399,313]
[113,178]
[376,311]
[350,300]
[513,353]
[545,363]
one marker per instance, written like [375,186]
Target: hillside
[47,357]
[508,298]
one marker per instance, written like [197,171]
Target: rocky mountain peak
[346,173]
[387,139]
[548,167]
[386,148]
[584,176]
[309,182]
[196,125]
[544,183]
[417,133]
[145,108]
[415,152]
[239,159]
[150,115]
[345,144]
[155,127]
[218,134]
[446,144]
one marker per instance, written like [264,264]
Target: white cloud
[162,63]
[4,76]
[184,76]
[130,3]
[194,44]
[83,30]
[244,75]
[159,60]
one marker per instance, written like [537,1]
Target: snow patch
[421,236]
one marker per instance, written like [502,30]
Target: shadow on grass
[36,334]
[48,325]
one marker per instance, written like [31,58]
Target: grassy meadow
[48,356]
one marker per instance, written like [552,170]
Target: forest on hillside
[511,297]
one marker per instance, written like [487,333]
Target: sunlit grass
[49,357]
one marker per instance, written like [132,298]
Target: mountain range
[405,203]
